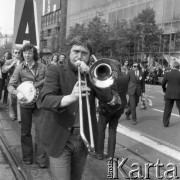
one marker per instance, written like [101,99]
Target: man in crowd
[171,88]
[5,77]
[29,70]
[110,114]
[136,88]
[9,68]
[62,59]
[60,131]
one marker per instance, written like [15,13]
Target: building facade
[83,11]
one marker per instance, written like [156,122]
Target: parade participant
[1,77]
[7,57]
[125,71]
[62,59]
[60,130]
[172,91]
[136,88]
[110,114]
[29,70]
[8,68]
[125,68]
[55,59]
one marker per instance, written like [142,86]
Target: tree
[145,29]
[78,29]
[120,38]
[6,47]
[98,31]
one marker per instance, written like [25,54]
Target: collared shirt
[23,73]
[137,73]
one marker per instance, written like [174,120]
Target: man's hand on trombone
[75,92]
[84,68]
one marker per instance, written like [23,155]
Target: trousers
[70,164]
[27,114]
[113,123]
[133,100]
[12,106]
[168,109]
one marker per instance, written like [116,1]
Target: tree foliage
[6,47]
[145,29]
[97,31]
[141,34]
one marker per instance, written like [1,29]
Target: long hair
[9,54]
[55,54]
[27,47]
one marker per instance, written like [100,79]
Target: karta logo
[139,171]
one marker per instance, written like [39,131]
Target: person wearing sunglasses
[9,67]
[136,88]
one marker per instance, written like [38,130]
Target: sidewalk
[10,131]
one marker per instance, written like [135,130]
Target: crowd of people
[55,112]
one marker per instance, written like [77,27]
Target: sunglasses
[135,66]
[16,52]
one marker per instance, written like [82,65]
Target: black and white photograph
[89,89]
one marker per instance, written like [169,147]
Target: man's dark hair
[82,41]
[27,47]
[63,54]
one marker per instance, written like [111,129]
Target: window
[45,43]
[49,32]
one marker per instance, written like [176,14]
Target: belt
[75,130]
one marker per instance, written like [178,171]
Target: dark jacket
[136,85]
[171,84]
[57,122]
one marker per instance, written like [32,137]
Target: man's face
[62,58]
[16,53]
[28,55]
[80,53]
[126,63]
[135,67]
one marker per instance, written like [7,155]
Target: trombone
[102,74]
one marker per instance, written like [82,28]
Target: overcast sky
[7,8]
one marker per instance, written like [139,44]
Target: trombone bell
[103,73]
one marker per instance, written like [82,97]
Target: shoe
[134,122]
[13,119]
[95,155]
[42,165]
[166,125]
[127,116]
[100,156]
[27,162]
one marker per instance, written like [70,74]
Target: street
[143,143]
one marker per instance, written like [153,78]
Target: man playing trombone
[60,130]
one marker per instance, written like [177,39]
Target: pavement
[10,131]
[146,142]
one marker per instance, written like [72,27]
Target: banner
[171,59]
[27,22]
